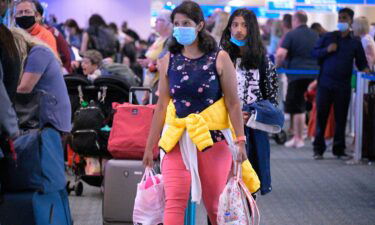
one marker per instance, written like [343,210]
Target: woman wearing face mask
[197,94]
[257,81]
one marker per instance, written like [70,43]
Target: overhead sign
[317,8]
[332,2]
[280,5]
[344,2]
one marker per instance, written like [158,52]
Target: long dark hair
[97,20]
[254,51]
[73,24]
[10,60]
[206,43]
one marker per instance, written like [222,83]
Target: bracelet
[240,139]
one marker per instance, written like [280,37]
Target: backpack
[103,40]
[87,137]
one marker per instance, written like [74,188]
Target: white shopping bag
[233,207]
[150,199]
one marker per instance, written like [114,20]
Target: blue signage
[280,5]
[316,2]
[344,2]
[263,13]
[317,8]
[350,2]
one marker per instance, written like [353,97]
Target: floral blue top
[194,85]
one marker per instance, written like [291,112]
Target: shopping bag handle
[237,167]
[252,202]
[149,172]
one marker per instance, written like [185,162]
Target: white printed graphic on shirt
[248,84]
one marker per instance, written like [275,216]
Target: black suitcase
[368,137]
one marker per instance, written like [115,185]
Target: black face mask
[25,22]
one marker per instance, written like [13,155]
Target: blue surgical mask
[237,42]
[343,27]
[185,35]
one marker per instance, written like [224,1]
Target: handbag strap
[103,94]
[252,202]
[149,172]
[80,94]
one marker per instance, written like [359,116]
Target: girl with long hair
[257,81]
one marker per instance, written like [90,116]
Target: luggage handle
[133,89]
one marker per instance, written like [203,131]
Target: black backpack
[87,138]
[103,40]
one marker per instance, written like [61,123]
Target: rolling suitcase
[120,188]
[34,208]
[368,138]
[121,177]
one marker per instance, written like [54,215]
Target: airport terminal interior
[187,112]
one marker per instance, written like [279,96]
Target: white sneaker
[299,144]
[291,143]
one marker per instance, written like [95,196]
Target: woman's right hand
[148,158]
[241,155]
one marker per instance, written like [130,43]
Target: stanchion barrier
[362,88]
[294,72]
[298,71]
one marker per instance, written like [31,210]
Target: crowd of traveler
[225,64]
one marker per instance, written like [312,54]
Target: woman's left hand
[246,116]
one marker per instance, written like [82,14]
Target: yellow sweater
[198,126]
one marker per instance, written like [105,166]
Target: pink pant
[214,166]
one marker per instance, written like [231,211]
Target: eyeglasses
[26,12]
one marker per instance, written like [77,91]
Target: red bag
[130,129]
